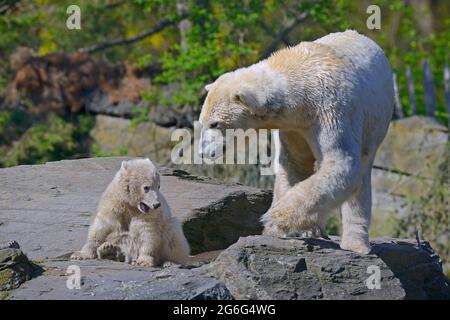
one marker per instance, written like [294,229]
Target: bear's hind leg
[356,212]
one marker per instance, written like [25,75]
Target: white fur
[147,235]
[332,100]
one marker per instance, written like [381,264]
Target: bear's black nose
[156,205]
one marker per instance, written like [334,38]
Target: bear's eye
[214,124]
[146,189]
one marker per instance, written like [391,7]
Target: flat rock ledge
[47,210]
[261,268]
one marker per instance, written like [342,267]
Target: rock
[166,116]
[114,280]
[101,104]
[412,145]
[15,268]
[228,214]
[407,158]
[259,267]
[70,83]
[48,208]
[113,135]
[404,167]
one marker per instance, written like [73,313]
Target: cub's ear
[254,100]
[124,166]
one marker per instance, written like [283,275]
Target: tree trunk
[184,25]
[430,97]
[412,99]
[447,88]
[423,15]
[398,103]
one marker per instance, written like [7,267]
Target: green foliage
[96,152]
[14,123]
[140,116]
[14,31]
[220,36]
[429,213]
[333,226]
[48,139]
[225,35]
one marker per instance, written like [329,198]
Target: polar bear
[332,100]
[134,220]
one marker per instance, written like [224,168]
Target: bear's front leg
[305,206]
[98,232]
[289,217]
[295,165]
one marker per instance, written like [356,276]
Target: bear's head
[141,180]
[242,99]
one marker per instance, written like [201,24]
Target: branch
[7,5]
[282,35]
[114,5]
[125,41]
[270,32]
[399,172]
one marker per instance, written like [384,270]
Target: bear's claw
[315,232]
[81,255]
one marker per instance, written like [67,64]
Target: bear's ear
[209,86]
[254,100]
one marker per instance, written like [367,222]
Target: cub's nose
[156,205]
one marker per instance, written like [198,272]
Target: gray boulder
[258,267]
[405,164]
[102,279]
[15,268]
[48,208]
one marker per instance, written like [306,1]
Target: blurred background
[136,70]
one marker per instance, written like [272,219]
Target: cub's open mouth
[143,207]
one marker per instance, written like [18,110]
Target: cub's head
[242,99]
[141,180]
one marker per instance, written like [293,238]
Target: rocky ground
[47,209]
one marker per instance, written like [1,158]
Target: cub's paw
[145,262]
[168,264]
[82,255]
[314,232]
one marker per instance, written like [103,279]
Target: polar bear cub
[134,222]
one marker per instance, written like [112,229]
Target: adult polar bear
[332,100]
